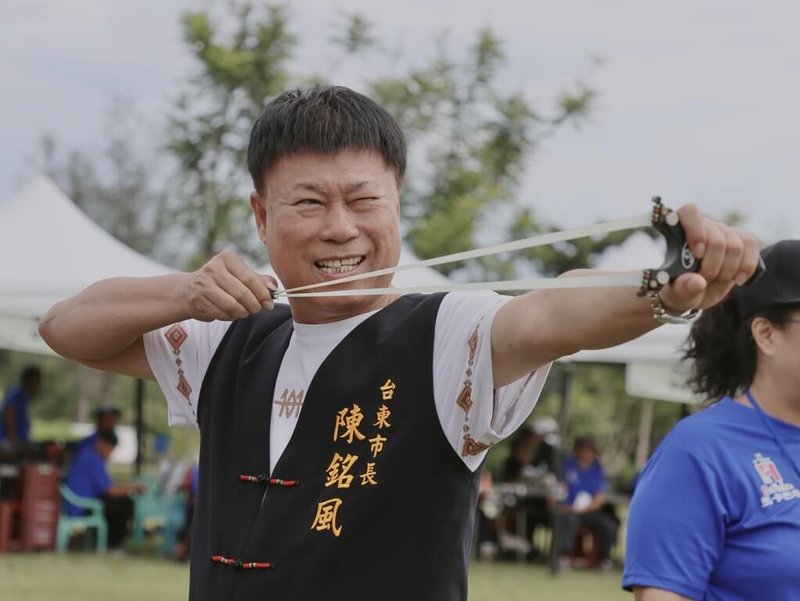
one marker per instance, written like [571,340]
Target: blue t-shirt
[18,399]
[716,514]
[87,477]
[591,480]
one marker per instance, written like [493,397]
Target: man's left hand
[729,257]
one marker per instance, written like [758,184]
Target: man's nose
[340,224]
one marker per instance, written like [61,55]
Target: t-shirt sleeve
[675,525]
[179,356]
[475,416]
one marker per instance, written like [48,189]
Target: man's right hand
[103,325]
[226,289]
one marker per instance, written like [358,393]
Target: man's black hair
[30,373]
[323,120]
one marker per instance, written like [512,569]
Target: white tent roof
[653,365]
[49,250]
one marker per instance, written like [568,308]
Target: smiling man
[342,438]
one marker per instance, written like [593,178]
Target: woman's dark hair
[324,120]
[722,349]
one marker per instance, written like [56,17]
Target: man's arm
[103,325]
[656,594]
[538,327]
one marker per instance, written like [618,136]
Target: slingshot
[678,259]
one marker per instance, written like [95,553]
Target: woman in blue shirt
[716,514]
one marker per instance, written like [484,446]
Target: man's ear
[260,213]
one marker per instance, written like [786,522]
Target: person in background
[15,425]
[106,418]
[716,512]
[189,488]
[88,477]
[531,455]
[585,483]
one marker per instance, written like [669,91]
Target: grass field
[84,577]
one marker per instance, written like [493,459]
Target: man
[106,418]
[15,425]
[88,477]
[585,481]
[342,437]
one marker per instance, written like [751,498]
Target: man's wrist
[665,314]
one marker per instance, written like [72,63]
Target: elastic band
[541,240]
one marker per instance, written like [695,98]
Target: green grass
[85,577]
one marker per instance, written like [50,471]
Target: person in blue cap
[716,514]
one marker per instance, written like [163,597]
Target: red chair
[586,550]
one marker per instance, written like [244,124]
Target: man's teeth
[339,265]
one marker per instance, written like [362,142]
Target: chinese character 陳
[376,444]
[383,418]
[349,423]
[368,477]
[338,470]
[387,390]
[326,516]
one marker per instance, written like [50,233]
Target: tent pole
[139,408]
[563,419]
[645,433]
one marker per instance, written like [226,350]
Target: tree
[477,139]
[470,139]
[114,185]
[210,125]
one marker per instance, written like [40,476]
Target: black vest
[395,525]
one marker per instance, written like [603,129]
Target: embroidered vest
[368,501]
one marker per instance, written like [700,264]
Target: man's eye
[308,201]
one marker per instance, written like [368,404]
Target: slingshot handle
[679,258]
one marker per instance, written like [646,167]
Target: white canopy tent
[653,366]
[49,249]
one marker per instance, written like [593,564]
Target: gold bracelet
[660,313]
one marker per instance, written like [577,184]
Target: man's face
[585,455]
[106,422]
[324,217]
[33,386]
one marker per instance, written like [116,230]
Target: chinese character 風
[326,516]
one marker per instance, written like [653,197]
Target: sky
[698,99]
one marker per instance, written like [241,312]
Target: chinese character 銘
[338,470]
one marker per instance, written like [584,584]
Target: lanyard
[784,451]
[679,259]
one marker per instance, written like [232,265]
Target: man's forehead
[346,169]
[323,187]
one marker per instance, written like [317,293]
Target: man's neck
[776,402]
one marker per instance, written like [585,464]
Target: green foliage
[236,72]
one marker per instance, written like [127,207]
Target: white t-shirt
[473,415]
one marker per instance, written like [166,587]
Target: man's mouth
[339,266]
